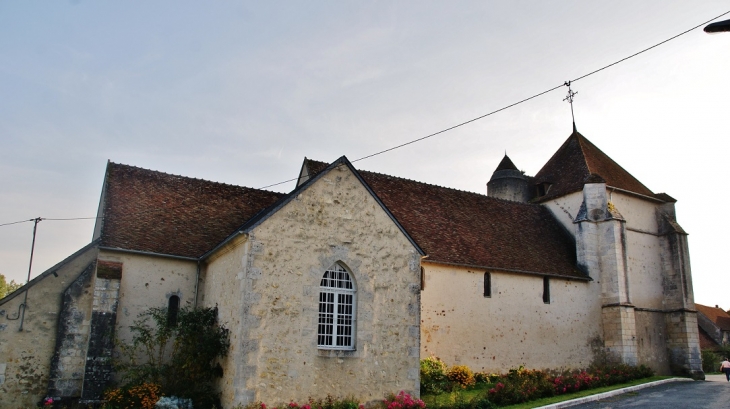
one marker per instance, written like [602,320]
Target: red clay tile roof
[578,158]
[465,228]
[716,315]
[157,212]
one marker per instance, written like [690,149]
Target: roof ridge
[192,178]
[434,185]
[448,188]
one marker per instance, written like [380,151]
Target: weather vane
[569,98]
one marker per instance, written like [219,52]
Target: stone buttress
[601,251]
[681,315]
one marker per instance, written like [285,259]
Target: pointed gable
[470,229]
[578,158]
[150,211]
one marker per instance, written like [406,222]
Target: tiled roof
[716,315]
[156,212]
[471,229]
[577,159]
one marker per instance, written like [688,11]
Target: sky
[241,92]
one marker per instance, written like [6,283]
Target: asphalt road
[714,393]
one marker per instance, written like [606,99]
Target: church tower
[508,183]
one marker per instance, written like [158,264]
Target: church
[341,286]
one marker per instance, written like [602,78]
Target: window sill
[338,353]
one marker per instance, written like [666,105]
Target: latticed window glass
[336,329]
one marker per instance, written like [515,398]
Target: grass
[468,394]
[450,397]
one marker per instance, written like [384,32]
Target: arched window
[487,285]
[173,306]
[336,329]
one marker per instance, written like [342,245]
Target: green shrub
[181,358]
[461,375]
[521,385]
[433,376]
[710,361]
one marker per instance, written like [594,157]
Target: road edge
[604,395]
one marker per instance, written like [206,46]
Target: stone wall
[149,281]
[98,371]
[72,337]
[514,326]
[25,356]
[651,340]
[272,304]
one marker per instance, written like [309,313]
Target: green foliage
[330,402]
[7,287]
[710,361]
[433,375]
[461,375]
[521,385]
[183,359]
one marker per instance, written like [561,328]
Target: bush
[485,377]
[181,358]
[461,375]
[433,376]
[143,396]
[403,401]
[710,361]
[521,385]
[330,403]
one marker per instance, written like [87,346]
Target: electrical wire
[21,221]
[521,101]
[476,118]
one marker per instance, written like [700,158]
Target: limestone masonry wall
[25,356]
[149,281]
[514,326]
[274,277]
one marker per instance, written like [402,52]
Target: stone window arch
[337,309]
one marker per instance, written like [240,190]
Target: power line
[21,221]
[521,101]
[476,118]
[52,219]
[75,218]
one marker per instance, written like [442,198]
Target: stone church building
[341,285]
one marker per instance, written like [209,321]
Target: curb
[604,395]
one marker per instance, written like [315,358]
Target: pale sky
[241,92]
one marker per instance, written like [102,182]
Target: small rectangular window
[546,290]
[423,279]
[487,285]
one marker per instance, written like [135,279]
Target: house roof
[150,211]
[716,315]
[575,161]
[470,229]
[706,342]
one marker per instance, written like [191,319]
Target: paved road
[714,393]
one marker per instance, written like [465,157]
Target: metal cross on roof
[569,98]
